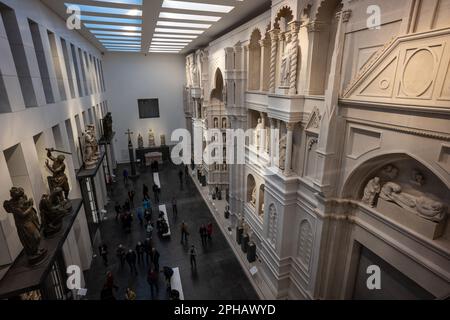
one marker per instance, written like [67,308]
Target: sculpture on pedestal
[59,178]
[140,142]
[163,139]
[107,126]
[52,212]
[371,191]
[91,153]
[27,224]
[151,139]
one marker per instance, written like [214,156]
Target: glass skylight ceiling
[117,24]
[178,26]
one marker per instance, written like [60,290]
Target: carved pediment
[411,70]
[313,123]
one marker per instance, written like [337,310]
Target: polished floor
[219,274]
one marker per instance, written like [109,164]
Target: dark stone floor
[219,274]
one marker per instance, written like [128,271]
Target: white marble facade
[352,102]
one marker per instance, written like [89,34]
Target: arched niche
[283,18]
[324,27]
[217,92]
[305,243]
[254,60]
[261,200]
[403,189]
[251,190]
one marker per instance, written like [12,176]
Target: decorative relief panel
[305,243]
[391,76]
[273,225]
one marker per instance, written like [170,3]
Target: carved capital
[274,34]
[290,126]
[314,26]
[294,27]
[346,15]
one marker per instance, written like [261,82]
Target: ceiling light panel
[183,25]
[172,40]
[112,27]
[133,2]
[115,33]
[180,31]
[110,19]
[176,36]
[106,10]
[165,43]
[191,17]
[196,6]
[106,42]
[101,37]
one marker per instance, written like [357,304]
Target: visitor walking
[209,230]
[184,232]
[120,253]
[155,259]
[125,176]
[156,192]
[103,251]
[152,279]
[174,208]
[131,260]
[118,209]
[180,176]
[193,255]
[145,191]
[140,250]
[131,195]
[148,245]
[203,234]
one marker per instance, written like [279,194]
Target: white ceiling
[151,9]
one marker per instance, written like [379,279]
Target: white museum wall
[19,126]
[131,76]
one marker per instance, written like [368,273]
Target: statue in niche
[151,139]
[224,123]
[389,173]
[140,142]
[107,126]
[52,212]
[423,206]
[195,76]
[90,147]
[259,130]
[286,61]
[27,224]
[283,147]
[417,178]
[216,123]
[163,139]
[371,191]
[58,169]
[253,199]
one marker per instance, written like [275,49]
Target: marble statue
[140,142]
[27,224]
[421,205]
[216,123]
[259,130]
[371,191]
[253,200]
[224,123]
[91,154]
[107,126]
[52,212]
[59,178]
[286,61]
[283,147]
[151,139]
[163,139]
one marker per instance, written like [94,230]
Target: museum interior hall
[224,150]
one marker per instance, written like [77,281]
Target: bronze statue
[52,212]
[59,178]
[107,126]
[27,224]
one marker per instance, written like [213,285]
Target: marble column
[295,26]
[272,142]
[274,35]
[289,140]
[262,133]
